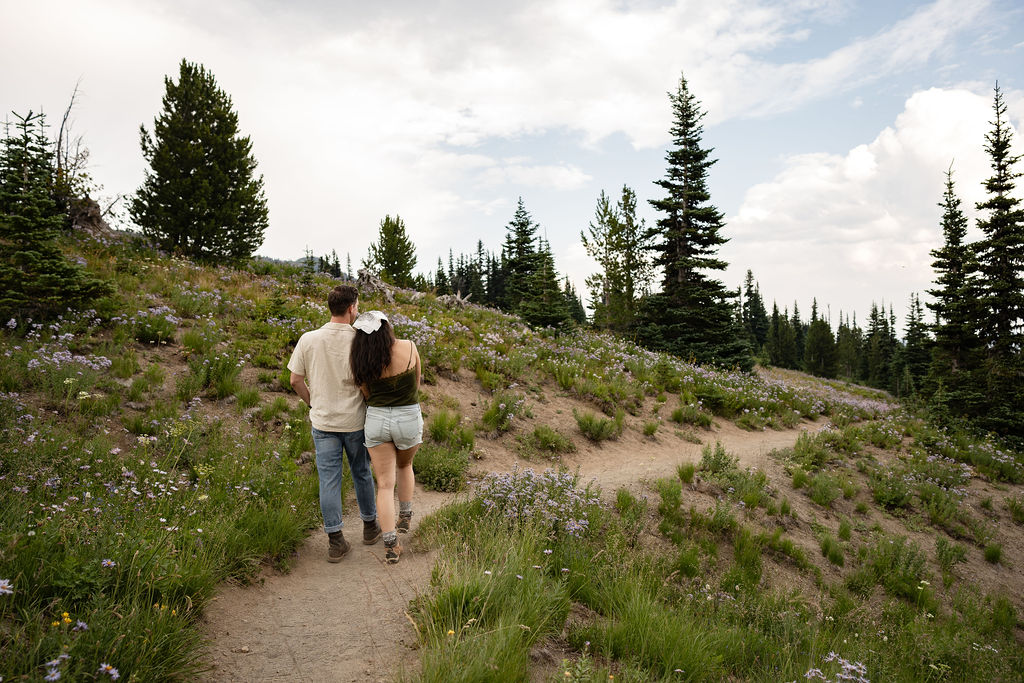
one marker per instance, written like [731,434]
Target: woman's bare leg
[405,477]
[383,458]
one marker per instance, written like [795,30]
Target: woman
[387,371]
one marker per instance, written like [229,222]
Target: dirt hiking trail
[348,622]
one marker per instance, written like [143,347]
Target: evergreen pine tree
[543,303]
[393,254]
[755,318]
[916,349]
[35,279]
[799,335]
[495,280]
[1000,255]
[576,310]
[692,316]
[788,352]
[441,285]
[953,377]
[848,348]
[520,258]
[820,348]
[200,197]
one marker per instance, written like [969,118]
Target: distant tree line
[201,198]
[967,361]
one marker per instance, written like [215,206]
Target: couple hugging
[361,385]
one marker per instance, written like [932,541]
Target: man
[336,410]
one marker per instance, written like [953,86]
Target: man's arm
[298,383]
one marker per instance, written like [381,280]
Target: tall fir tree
[201,196]
[576,310]
[441,285]
[1000,255]
[848,348]
[916,350]
[755,317]
[544,303]
[520,259]
[692,316]
[619,244]
[820,348]
[36,280]
[953,375]
[393,254]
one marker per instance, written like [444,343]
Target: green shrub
[686,471]
[597,428]
[650,428]
[247,398]
[501,410]
[440,467]
[993,553]
[800,478]
[125,365]
[446,427]
[217,374]
[490,381]
[889,489]
[809,453]
[823,489]
[899,566]
[1004,616]
[845,530]
[1015,504]
[784,507]
[949,555]
[832,550]
[716,460]
[692,414]
[550,440]
[155,326]
[271,410]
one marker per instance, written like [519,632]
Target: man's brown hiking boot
[371,532]
[392,553]
[404,520]
[337,546]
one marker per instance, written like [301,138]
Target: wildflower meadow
[153,450]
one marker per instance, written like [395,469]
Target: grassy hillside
[152,449]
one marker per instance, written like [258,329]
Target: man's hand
[298,383]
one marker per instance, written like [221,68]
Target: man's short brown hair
[341,298]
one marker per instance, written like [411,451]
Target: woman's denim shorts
[402,425]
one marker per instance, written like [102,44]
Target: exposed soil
[348,621]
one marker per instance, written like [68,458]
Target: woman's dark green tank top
[394,391]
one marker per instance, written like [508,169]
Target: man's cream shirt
[322,356]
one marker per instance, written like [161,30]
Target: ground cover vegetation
[154,450]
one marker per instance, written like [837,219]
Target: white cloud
[855,228]
[360,109]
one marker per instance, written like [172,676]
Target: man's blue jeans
[330,466]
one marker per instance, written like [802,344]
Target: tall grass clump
[216,374]
[441,467]
[547,441]
[446,427]
[597,428]
[502,409]
[691,413]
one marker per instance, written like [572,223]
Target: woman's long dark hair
[371,353]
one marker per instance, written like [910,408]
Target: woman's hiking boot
[337,546]
[392,552]
[404,521]
[371,532]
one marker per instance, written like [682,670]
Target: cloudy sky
[833,121]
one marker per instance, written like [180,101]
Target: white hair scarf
[369,322]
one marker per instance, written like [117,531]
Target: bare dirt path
[347,621]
